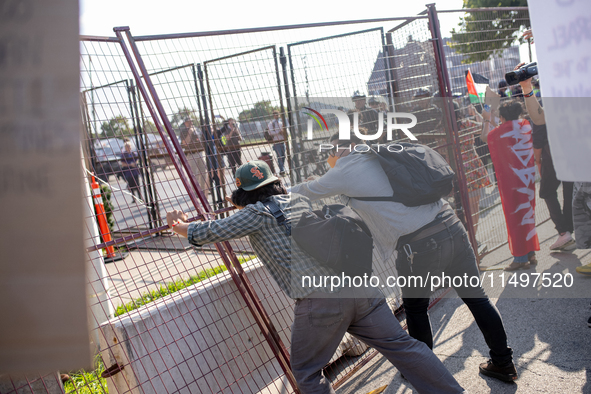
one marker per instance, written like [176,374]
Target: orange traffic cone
[102,217]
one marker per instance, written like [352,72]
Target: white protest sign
[43,309]
[562,35]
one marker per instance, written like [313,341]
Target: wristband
[529,94]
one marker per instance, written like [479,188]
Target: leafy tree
[260,110]
[117,126]
[150,127]
[178,118]
[482,34]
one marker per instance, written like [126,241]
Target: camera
[524,72]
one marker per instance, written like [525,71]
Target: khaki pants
[199,169]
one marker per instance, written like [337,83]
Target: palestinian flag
[476,86]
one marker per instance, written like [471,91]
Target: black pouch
[337,238]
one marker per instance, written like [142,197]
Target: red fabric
[512,153]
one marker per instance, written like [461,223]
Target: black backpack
[336,237]
[418,175]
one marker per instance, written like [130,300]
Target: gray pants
[582,214]
[320,323]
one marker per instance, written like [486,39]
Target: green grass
[83,382]
[173,287]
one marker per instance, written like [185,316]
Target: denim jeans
[525,258]
[320,323]
[448,253]
[280,152]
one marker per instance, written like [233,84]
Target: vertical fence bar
[91,159]
[450,135]
[450,117]
[282,107]
[387,68]
[203,124]
[212,150]
[391,72]
[290,110]
[148,175]
[209,144]
[295,103]
[139,145]
[230,259]
[197,96]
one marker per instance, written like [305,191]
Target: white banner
[562,36]
[43,309]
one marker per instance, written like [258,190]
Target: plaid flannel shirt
[284,260]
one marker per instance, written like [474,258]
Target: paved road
[548,333]
[170,193]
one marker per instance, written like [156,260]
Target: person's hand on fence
[527,35]
[176,221]
[174,217]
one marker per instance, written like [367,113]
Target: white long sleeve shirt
[360,175]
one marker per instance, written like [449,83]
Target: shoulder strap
[375,198]
[278,214]
[391,198]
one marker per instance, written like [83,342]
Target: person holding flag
[511,150]
[476,86]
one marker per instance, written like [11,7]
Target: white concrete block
[203,339]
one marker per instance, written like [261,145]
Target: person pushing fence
[322,315]
[428,239]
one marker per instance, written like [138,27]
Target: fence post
[198,76]
[450,117]
[282,107]
[296,106]
[210,147]
[290,109]
[197,96]
[146,169]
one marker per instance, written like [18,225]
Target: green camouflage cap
[253,175]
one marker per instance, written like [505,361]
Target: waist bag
[417,174]
[335,236]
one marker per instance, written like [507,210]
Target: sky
[147,17]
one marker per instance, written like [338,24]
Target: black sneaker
[589,322]
[506,374]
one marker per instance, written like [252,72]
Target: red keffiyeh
[512,153]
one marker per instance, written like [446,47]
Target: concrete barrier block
[203,339]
